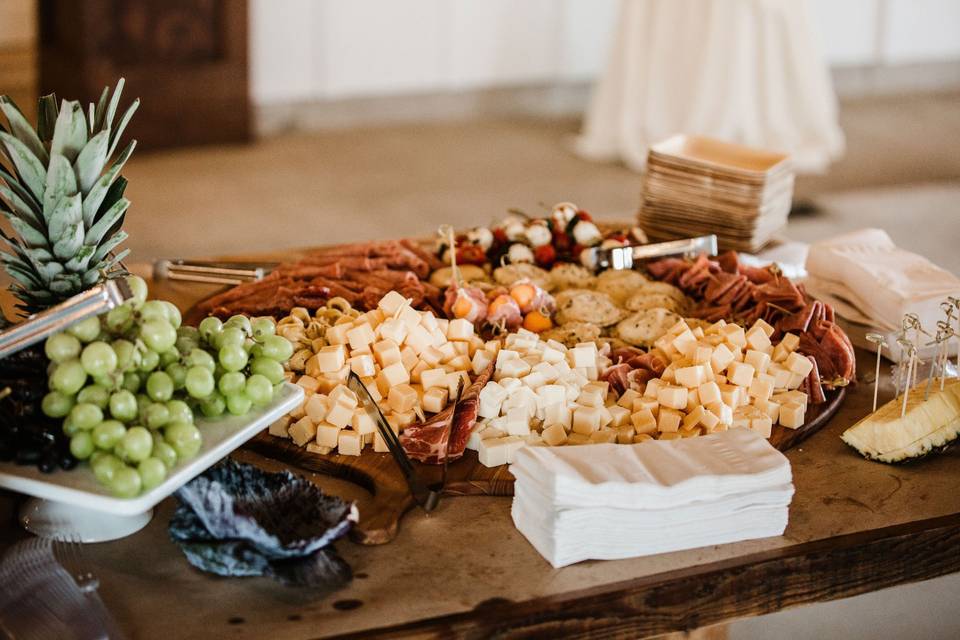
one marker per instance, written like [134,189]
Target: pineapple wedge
[927,426]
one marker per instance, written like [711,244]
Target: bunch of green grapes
[127,385]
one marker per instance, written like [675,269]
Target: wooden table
[855,526]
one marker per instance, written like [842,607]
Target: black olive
[48,463]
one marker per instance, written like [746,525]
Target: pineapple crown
[63,196]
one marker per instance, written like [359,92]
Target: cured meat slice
[617,376]
[446,433]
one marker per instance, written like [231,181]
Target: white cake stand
[73,505]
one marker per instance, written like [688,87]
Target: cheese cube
[313,447]
[735,335]
[709,420]
[349,443]
[643,421]
[757,359]
[653,388]
[625,434]
[433,378]
[418,370]
[603,436]
[459,329]
[428,320]
[327,434]
[762,387]
[798,397]
[795,380]
[693,418]
[505,355]
[620,416]
[698,331]
[391,303]
[626,400]
[279,427]
[419,339]
[672,397]
[792,415]
[730,395]
[510,384]
[709,392]
[780,353]
[764,326]
[716,326]
[518,422]
[404,419]
[337,334]
[740,373]
[316,407]
[409,317]
[547,370]
[670,435]
[387,352]
[758,340]
[339,415]
[668,420]
[742,417]
[457,383]
[363,365]
[393,329]
[770,408]
[722,411]
[552,355]
[372,388]
[396,374]
[582,356]
[721,358]
[693,399]
[558,414]
[683,341]
[481,360]
[514,368]
[799,364]
[690,377]
[590,397]
[605,417]
[534,380]
[762,424]
[379,445]
[431,355]
[402,398]
[650,404]
[586,420]
[343,395]
[781,375]
[408,358]
[554,435]
[360,336]
[702,354]
[791,341]
[494,452]
[362,422]
[435,400]
[552,394]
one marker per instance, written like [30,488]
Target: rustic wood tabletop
[855,526]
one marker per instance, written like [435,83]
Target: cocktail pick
[956,304]
[877,339]
[902,343]
[944,333]
[446,232]
[911,350]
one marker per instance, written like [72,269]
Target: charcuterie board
[378,473]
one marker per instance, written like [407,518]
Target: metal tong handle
[94,301]
[625,257]
[211,272]
[425,495]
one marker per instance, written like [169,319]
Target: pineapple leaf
[22,129]
[27,165]
[108,246]
[71,239]
[95,197]
[96,124]
[19,189]
[90,162]
[124,120]
[25,276]
[97,232]
[47,112]
[16,205]
[65,215]
[61,182]
[114,102]
[78,263]
[65,284]
[70,134]
[25,230]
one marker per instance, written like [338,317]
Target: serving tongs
[211,272]
[92,302]
[427,495]
[625,257]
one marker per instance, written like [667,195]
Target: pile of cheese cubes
[719,377]
[411,362]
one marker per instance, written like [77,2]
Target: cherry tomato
[545,255]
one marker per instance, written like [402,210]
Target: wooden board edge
[694,597]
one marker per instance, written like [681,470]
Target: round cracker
[646,300]
[507,275]
[620,284]
[566,275]
[665,288]
[572,333]
[471,273]
[643,328]
[594,307]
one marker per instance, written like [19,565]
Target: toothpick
[878,340]
[447,231]
[901,342]
[956,303]
[910,369]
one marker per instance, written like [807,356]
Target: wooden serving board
[378,473]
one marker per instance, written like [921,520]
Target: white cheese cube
[402,398]
[625,434]
[582,357]
[547,370]
[709,392]
[552,355]
[799,364]
[653,388]
[473,442]
[386,352]
[313,447]
[279,427]
[391,303]
[734,335]
[709,420]
[762,424]
[690,377]
[481,360]
[762,387]
[409,316]
[459,329]
[603,436]
[308,383]
[558,414]
[672,397]
[723,411]
[419,339]
[791,341]
[620,416]
[433,378]
[740,373]
[534,380]
[721,358]
[339,416]
[792,415]
[504,355]
[554,435]
[757,359]
[360,336]
[693,399]
[337,334]
[669,420]
[643,421]
[693,418]
[460,362]
[431,355]
[316,407]
[493,452]
[395,374]
[716,327]
[327,434]
[650,404]
[457,383]
[514,368]
[586,420]
[780,353]
[552,394]
[795,380]
[758,340]
[393,329]
[518,422]
[764,326]
[349,443]
[770,408]
[435,400]
[362,422]
[605,417]
[781,375]
[626,400]
[510,384]
[379,444]
[590,397]
[363,366]
[702,353]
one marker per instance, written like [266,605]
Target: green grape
[107,434]
[256,351]
[123,406]
[239,404]
[270,369]
[69,428]
[177,373]
[263,327]
[186,331]
[165,453]
[68,377]
[168,357]
[86,330]
[159,386]
[137,443]
[119,319]
[153,310]
[185,344]
[98,359]
[240,322]
[156,415]
[105,466]
[230,383]
[149,360]
[86,416]
[152,472]
[126,482]
[231,337]
[139,288]
[61,347]
[214,406]
[184,438]
[209,328]
[232,358]
[199,382]
[95,394]
[158,334]
[259,390]
[81,445]
[131,382]
[173,314]
[179,411]
[56,404]
[127,355]
[277,348]
[200,358]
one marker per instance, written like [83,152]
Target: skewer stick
[956,303]
[878,340]
[910,369]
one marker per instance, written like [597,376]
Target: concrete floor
[901,172]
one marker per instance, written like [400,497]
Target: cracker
[587,306]
[468,273]
[566,275]
[620,284]
[653,300]
[643,328]
[507,275]
[572,333]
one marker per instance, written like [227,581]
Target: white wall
[311,50]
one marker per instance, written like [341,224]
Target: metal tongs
[625,257]
[211,272]
[92,302]
[427,495]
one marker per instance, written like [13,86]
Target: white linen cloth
[618,501]
[747,71]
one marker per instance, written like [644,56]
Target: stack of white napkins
[609,501]
[871,282]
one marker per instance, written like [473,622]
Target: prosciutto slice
[446,433]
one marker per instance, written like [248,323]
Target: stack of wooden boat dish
[696,186]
